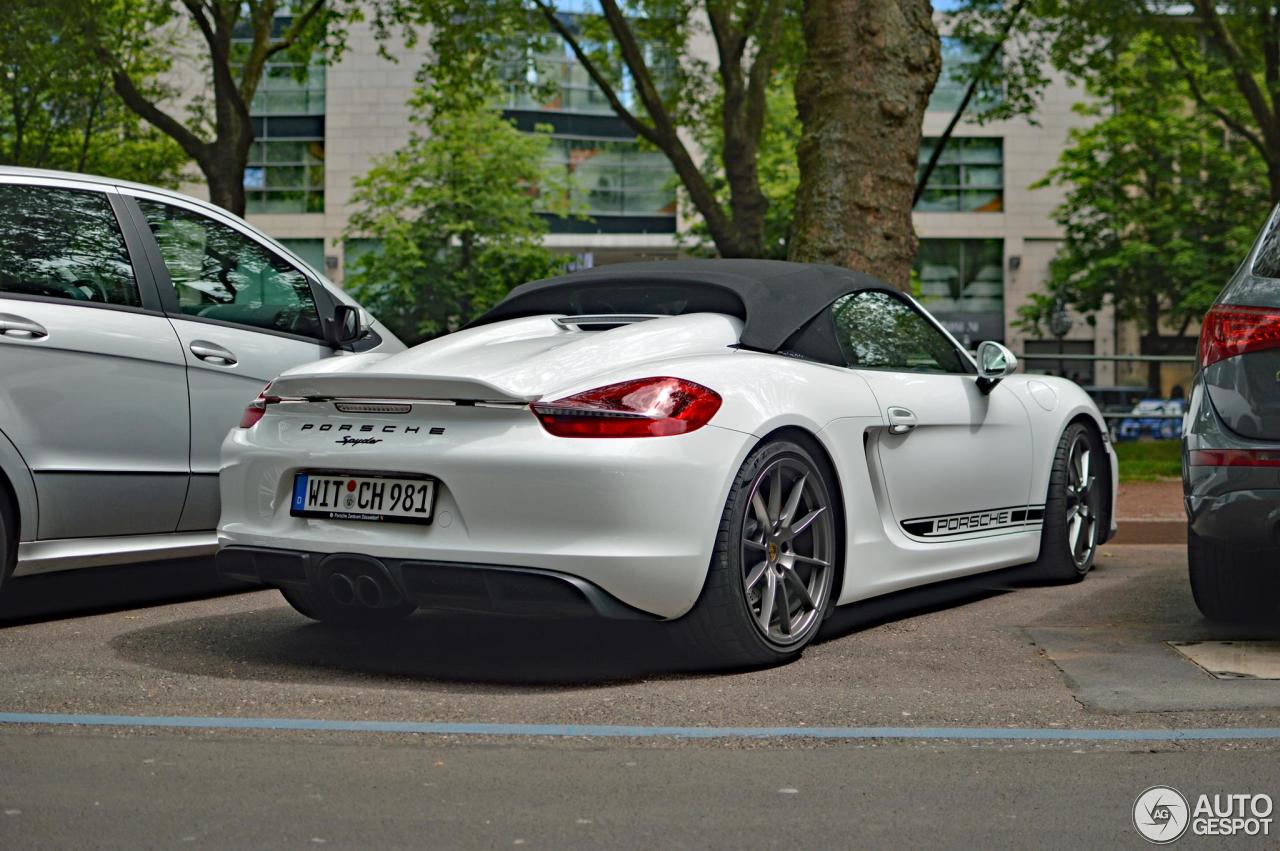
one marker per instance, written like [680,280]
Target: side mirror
[345,327]
[994,363]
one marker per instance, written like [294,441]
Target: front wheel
[769,584]
[1073,511]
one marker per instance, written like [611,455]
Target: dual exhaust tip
[362,583]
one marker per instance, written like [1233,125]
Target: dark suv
[1231,445]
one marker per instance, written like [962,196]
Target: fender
[14,468]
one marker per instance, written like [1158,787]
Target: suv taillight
[646,407]
[1231,330]
[257,408]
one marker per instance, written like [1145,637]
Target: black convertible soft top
[774,299]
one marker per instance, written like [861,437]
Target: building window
[310,250]
[969,176]
[285,172]
[958,59]
[614,178]
[961,281]
[288,88]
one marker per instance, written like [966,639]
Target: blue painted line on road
[1032,734]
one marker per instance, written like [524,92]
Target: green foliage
[779,173]
[1225,52]
[664,90]
[1161,201]
[1149,460]
[57,107]
[454,211]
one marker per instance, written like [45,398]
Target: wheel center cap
[773,551]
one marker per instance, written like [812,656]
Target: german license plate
[339,496]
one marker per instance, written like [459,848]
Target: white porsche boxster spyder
[735,446]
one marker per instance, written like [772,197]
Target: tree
[239,38]
[640,57]
[1226,53]
[57,109]
[455,212]
[779,176]
[1162,201]
[869,68]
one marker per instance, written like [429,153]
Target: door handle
[21,326]
[901,420]
[212,353]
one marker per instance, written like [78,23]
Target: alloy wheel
[1081,501]
[787,550]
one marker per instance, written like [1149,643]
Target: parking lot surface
[1049,666]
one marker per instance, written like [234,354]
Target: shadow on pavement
[277,644]
[77,593]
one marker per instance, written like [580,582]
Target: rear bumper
[1236,504]
[636,518]
[484,588]
[1249,519]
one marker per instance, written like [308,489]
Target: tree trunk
[1153,328]
[224,172]
[861,94]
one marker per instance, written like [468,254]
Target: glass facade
[961,282]
[285,173]
[969,176]
[957,58]
[619,184]
[285,176]
[310,250]
[290,89]
[614,178]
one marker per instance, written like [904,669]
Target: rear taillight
[1233,458]
[1231,330]
[257,408]
[646,407]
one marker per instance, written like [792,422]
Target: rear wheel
[321,608]
[769,584]
[1073,511]
[1232,584]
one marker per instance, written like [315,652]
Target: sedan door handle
[21,326]
[212,353]
[901,420]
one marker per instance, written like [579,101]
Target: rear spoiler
[374,385]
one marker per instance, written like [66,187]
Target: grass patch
[1149,460]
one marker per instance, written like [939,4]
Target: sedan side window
[219,273]
[65,244]
[877,331]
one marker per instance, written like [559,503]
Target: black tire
[1232,584]
[8,536]
[320,608]
[723,628]
[1059,561]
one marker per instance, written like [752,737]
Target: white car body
[637,517]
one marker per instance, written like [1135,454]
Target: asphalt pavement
[1039,714]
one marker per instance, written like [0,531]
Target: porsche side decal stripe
[1012,518]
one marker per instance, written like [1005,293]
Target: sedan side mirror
[994,363]
[345,327]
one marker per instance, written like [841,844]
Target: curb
[1157,531]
